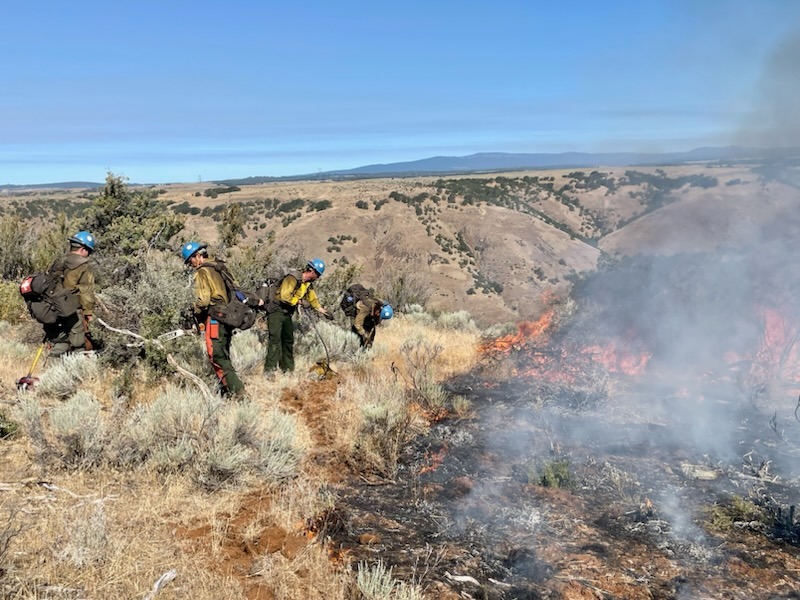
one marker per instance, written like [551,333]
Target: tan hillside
[491,243]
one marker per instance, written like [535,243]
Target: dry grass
[458,354]
[111,536]
[111,531]
[308,574]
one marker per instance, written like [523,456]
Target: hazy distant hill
[503,161]
[65,185]
[493,161]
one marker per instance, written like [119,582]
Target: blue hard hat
[189,248]
[386,312]
[318,265]
[83,238]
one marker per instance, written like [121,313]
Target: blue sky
[179,91]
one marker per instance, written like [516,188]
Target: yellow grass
[111,533]
[459,348]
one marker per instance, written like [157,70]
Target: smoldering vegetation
[645,428]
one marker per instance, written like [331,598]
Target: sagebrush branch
[201,385]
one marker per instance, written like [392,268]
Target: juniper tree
[231,228]
[127,223]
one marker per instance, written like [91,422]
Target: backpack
[238,312]
[352,295]
[268,291]
[46,297]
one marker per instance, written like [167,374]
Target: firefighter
[210,290]
[369,313]
[293,288]
[76,272]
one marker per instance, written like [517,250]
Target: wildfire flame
[538,354]
[557,363]
[527,331]
[434,460]
[777,357]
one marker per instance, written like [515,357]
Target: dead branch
[462,578]
[199,383]
[126,332]
[54,488]
[380,481]
[160,583]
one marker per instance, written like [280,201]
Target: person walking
[210,291]
[76,273]
[293,288]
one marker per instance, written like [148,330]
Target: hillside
[639,439]
[491,244]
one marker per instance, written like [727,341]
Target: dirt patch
[235,542]
[315,405]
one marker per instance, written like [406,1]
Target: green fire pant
[65,335]
[280,348]
[218,346]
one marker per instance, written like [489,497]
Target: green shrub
[290,206]
[62,378]
[327,341]
[155,302]
[319,205]
[556,474]
[458,321]
[15,240]
[387,424]
[733,510]
[8,428]
[329,289]
[247,351]
[419,357]
[252,263]
[28,413]
[225,189]
[280,451]
[128,225]
[219,443]
[400,283]
[231,226]
[52,241]
[377,583]
[12,307]
[166,432]
[79,435]
[85,541]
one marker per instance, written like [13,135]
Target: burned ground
[532,501]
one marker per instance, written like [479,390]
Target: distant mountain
[65,185]
[502,161]
[497,161]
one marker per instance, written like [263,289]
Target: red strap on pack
[25,286]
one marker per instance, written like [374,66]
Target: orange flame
[527,331]
[618,361]
[556,363]
[777,357]
[434,460]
